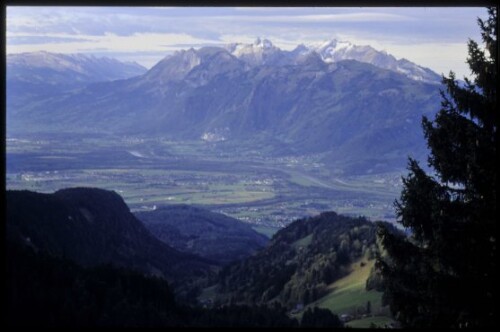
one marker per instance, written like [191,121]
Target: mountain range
[38,75]
[262,51]
[359,107]
[54,68]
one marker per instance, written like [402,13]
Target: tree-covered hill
[93,227]
[300,262]
[204,233]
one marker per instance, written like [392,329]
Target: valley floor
[254,186]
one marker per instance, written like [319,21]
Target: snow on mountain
[334,51]
[262,51]
[305,106]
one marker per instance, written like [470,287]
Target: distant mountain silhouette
[357,107]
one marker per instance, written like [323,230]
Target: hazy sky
[431,37]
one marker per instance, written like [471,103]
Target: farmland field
[259,187]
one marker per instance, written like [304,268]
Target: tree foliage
[319,317]
[443,274]
[300,261]
[50,292]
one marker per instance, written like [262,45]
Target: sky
[432,37]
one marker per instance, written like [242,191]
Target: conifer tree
[443,274]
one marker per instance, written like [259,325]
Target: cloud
[431,55]
[37,40]
[414,33]
[157,42]
[330,18]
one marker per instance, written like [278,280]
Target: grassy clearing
[304,180]
[350,300]
[348,294]
[200,197]
[304,242]
[356,279]
[227,197]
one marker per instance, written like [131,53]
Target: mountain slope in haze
[57,69]
[95,227]
[203,233]
[362,117]
[300,262]
[37,75]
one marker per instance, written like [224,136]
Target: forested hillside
[94,227]
[300,262]
[204,233]
[48,292]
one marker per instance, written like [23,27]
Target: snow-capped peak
[262,51]
[259,52]
[258,45]
[335,50]
[333,45]
[331,50]
[263,43]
